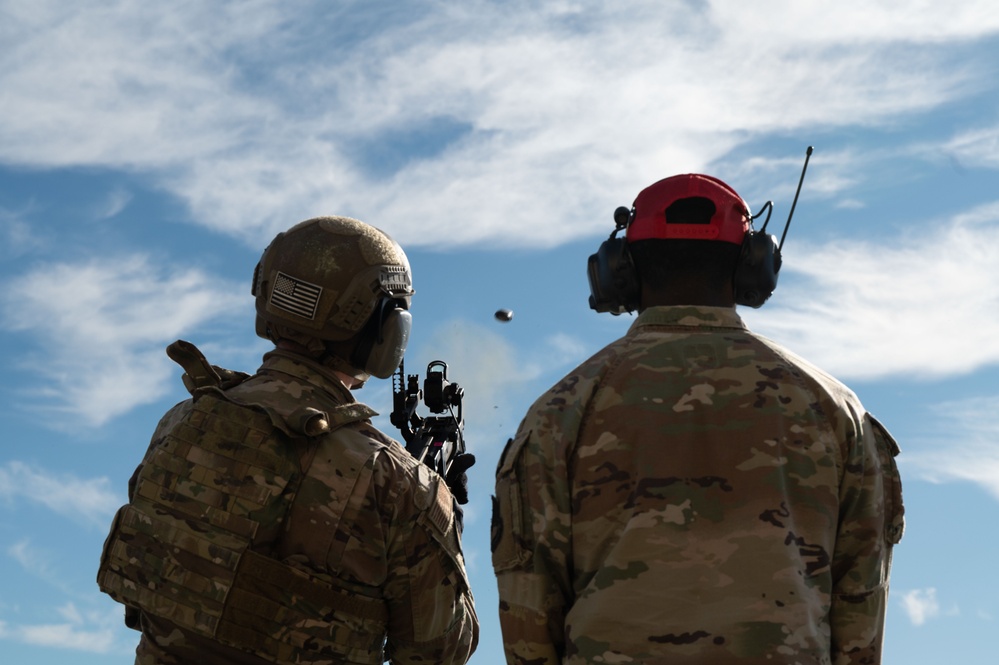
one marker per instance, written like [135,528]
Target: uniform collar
[689,316]
[308,370]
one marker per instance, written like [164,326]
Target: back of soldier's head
[685,242]
[672,264]
[686,235]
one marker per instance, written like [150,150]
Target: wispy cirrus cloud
[76,630]
[101,326]
[16,234]
[866,310]
[970,428]
[975,147]
[90,501]
[249,143]
[489,369]
[116,201]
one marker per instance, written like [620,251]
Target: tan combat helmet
[333,279]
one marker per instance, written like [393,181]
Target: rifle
[434,440]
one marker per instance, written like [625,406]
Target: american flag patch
[295,296]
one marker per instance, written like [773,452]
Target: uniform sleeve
[871,523]
[531,545]
[431,610]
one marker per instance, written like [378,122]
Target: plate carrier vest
[192,545]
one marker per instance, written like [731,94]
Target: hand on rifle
[457,479]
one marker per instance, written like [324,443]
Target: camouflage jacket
[355,551]
[694,493]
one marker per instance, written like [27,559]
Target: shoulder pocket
[438,516]
[888,450]
[511,527]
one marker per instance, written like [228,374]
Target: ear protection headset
[382,342]
[614,283]
[756,271]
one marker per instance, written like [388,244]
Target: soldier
[269,521]
[694,493]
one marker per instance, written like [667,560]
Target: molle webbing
[181,548]
[279,629]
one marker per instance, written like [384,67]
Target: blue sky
[149,151]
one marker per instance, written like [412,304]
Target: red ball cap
[729,222]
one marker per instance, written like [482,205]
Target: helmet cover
[324,277]
[729,223]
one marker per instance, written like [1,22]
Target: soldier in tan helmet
[269,521]
[694,492]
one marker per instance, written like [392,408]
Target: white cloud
[970,430]
[180,92]
[976,147]
[489,370]
[566,348]
[38,562]
[16,234]
[29,558]
[88,500]
[116,201]
[527,152]
[68,636]
[975,462]
[92,631]
[866,310]
[499,380]
[920,605]
[104,325]
[499,383]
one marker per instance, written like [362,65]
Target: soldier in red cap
[694,493]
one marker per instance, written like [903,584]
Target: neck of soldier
[349,382]
[694,293]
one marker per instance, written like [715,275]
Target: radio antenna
[808,154]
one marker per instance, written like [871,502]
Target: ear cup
[383,340]
[755,275]
[388,350]
[614,283]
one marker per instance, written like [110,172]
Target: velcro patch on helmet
[295,296]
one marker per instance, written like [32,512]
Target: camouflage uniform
[269,522]
[694,493]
